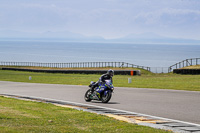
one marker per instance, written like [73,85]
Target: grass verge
[26,116]
[192,67]
[148,80]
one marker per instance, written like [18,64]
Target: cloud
[168,15]
[100,17]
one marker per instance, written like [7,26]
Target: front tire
[107,97]
[87,95]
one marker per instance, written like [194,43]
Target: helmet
[110,72]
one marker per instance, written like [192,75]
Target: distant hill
[147,38]
[59,35]
[153,38]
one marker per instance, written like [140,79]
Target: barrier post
[132,73]
[129,80]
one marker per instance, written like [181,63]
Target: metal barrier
[117,72]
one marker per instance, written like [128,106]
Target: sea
[150,55]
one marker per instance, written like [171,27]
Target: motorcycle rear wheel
[106,98]
[87,95]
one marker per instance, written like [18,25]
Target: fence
[185,63]
[159,69]
[75,65]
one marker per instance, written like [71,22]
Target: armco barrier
[187,71]
[117,72]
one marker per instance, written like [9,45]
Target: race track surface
[172,104]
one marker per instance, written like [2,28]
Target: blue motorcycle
[101,93]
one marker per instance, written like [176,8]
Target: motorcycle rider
[106,76]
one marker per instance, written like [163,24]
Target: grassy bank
[146,80]
[192,67]
[27,116]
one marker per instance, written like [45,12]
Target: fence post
[169,69]
[186,62]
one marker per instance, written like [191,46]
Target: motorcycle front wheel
[87,95]
[107,97]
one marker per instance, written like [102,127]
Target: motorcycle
[102,93]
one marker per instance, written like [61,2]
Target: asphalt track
[172,104]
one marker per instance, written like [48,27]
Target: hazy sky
[106,18]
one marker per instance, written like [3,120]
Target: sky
[105,18]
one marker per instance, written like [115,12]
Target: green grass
[26,116]
[163,81]
[146,80]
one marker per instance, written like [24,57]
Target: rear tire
[107,97]
[87,95]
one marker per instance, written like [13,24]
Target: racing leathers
[102,80]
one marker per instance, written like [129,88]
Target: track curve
[172,104]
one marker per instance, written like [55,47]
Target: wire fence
[159,69]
